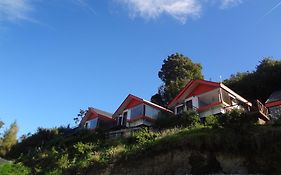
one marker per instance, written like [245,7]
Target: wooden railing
[261,108]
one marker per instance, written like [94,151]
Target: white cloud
[13,10]
[151,9]
[178,9]
[230,3]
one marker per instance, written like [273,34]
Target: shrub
[14,169]
[186,119]
[212,121]
[144,136]
[237,119]
[189,119]
[165,120]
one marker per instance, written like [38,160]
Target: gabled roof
[94,112]
[205,86]
[100,112]
[136,100]
[274,99]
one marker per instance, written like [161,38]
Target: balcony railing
[261,109]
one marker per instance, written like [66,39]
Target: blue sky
[58,56]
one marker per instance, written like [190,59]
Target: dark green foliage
[189,119]
[258,84]
[212,121]
[165,120]
[176,71]
[58,151]
[14,169]
[237,119]
[144,136]
[185,119]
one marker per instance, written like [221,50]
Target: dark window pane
[188,104]
[137,111]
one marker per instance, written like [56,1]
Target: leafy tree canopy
[260,83]
[176,71]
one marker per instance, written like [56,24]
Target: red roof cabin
[135,111]
[97,119]
[208,98]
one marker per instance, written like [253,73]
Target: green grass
[13,169]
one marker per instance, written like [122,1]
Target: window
[209,98]
[226,98]
[91,124]
[151,112]
[137,111]
[125,115]
[189,105]
[119,121]
[179,109]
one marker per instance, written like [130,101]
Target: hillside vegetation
[200,148]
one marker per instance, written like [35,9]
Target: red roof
[131,101]
[197,87]
[273,103]
[207,87]
[93,113]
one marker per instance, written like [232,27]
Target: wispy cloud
[179,9]
[151,9]
[230,3]
[86,5]
[14,10]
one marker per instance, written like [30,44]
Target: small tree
[9,139]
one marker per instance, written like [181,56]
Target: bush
[237,119]
[14,169]
[212,121]
[165,120]
[144,136]
[188,119]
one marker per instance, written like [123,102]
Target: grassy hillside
[83,152]
[196,149]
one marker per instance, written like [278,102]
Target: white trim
[235,94]
[176,111]
[188,99]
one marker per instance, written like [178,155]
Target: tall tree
[9,139]
[260,83]
[176,71]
